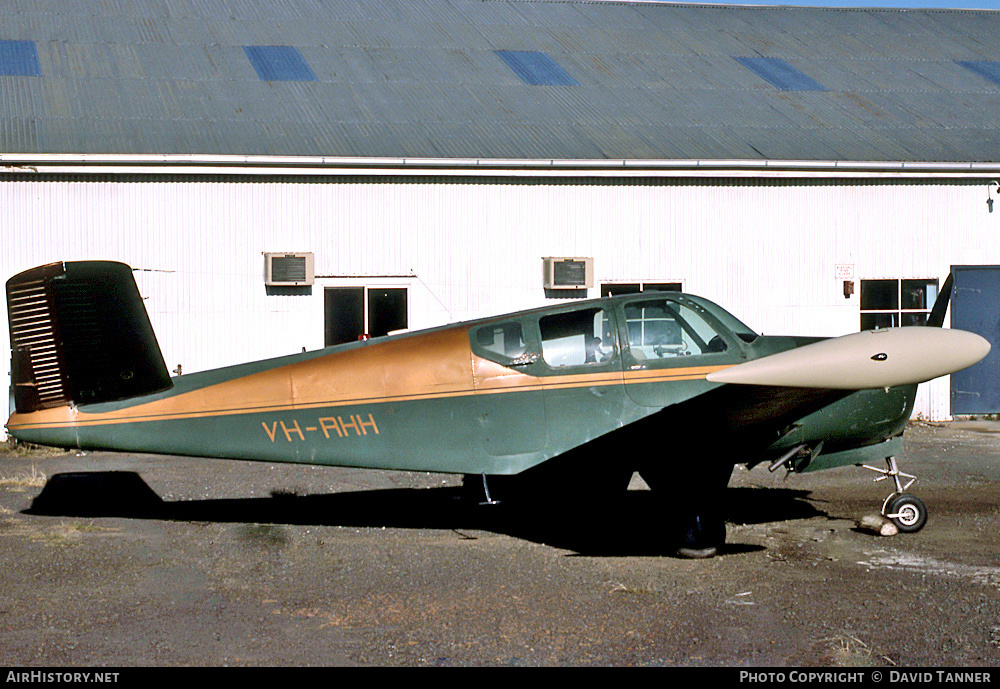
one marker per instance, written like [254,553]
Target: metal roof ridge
[193,164]
[735,6]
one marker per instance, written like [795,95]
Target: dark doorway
[351,313]
[344,309]
[386,310]
[614,289]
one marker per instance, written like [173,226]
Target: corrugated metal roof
[427,78]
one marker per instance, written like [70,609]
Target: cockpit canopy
[649,327]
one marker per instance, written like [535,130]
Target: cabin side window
[659,328]
[577,338]
[500,342]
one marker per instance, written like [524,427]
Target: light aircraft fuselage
[668,384]
[452,400]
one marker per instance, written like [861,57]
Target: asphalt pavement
[122,560]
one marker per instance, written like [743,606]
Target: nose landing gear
[906,511]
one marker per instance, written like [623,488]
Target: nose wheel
[906,511]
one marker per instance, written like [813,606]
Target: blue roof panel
[987,69]
[19,59]
[780,74]
[535,68]
[279,63]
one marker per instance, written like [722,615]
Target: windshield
[727,319]
[659,328]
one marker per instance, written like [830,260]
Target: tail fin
[79,333]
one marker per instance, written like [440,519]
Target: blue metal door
[975,306]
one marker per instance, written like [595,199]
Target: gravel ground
[173,561]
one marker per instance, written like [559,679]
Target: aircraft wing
[733,420]
[764,400]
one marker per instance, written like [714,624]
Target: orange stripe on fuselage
[433,365]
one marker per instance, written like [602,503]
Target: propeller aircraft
[574,397]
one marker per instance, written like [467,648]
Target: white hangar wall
[773,252]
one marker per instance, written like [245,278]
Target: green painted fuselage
[496,396]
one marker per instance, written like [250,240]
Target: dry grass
[16,448]
[36,479]
[849,651]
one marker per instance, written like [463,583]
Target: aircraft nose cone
[869,359]
[916,354]
[973,346]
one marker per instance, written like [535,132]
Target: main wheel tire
[907,512]
[702,537]
[692,499]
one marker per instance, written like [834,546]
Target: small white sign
[844,271]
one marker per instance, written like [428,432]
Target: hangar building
[288,174]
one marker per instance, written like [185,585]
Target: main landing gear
[692,502]
[906,511]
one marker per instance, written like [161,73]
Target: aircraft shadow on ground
[634,525]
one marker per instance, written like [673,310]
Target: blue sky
[914,4]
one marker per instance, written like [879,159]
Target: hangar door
[975,306]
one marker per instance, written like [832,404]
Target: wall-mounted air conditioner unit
[289,270]
[568,273]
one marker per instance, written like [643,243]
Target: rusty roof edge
[207,164]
